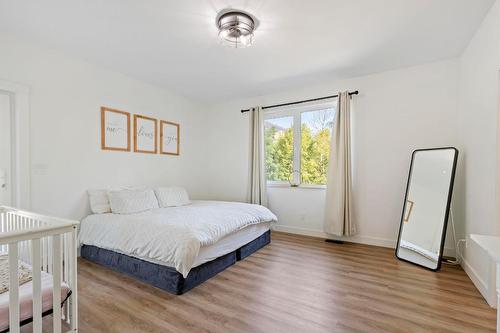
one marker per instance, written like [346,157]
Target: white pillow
[172,196]
[99,203]
[132,201]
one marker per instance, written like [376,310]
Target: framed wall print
[115,129]
[169,138]
[145,134]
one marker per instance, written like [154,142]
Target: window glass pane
[278,141]
[316,129]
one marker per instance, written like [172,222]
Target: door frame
[20,142]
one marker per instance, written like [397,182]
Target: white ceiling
[173,43]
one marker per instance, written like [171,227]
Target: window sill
[303,186]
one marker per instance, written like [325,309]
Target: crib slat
[56,273]
[13,288]
[44,254]
[37,286]
[66,273]
[73,278]
[50,258]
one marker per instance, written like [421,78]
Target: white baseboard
[361,239]
[368,240]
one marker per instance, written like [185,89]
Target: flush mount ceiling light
[236,28]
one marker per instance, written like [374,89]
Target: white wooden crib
[48,245]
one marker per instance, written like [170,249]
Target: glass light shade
[236,29]
[235,41]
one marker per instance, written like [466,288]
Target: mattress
[224,246]
[230,243]
[26,300]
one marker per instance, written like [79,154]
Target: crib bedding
[24,273]
[173,236]
[26,300]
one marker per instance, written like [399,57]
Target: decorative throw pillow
[132,201]
[99,203]
[172,196]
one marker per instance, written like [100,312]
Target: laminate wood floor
[295,284]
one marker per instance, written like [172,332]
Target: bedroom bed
[176,248]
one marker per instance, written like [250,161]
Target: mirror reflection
[425,211]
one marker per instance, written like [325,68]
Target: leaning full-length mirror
[426,207]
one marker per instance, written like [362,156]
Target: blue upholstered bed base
[167,278]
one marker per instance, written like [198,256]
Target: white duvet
[171,235]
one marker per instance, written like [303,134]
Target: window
[278,143]
[298,139]
[316,130]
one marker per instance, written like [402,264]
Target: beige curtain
[338,206]
[258,190]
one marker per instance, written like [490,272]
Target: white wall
[66,159]
[5,149]
[477,129]
[395,113]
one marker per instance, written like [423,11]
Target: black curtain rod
[304,101]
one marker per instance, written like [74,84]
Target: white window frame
[296,111]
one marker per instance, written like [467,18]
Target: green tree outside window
[315,148]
